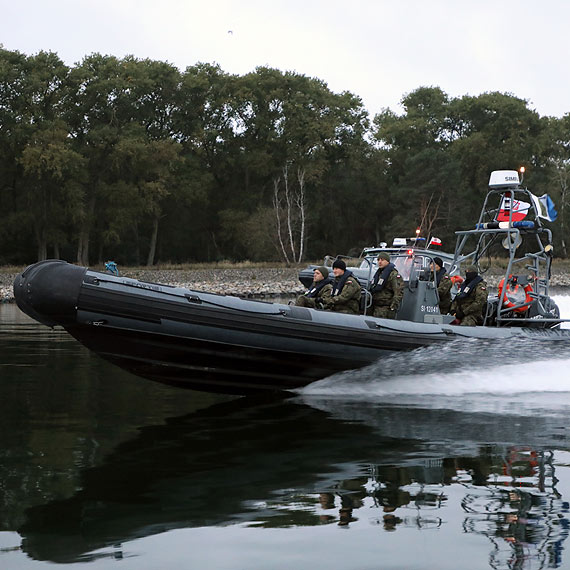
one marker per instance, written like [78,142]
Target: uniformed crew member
[320,287]
[345,294]
[471,299]
[444,285]
[387,288]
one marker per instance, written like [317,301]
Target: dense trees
[137,161]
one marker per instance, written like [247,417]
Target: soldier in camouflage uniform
[471,299]
[444,285]
[345,293]
[387,288]
[321,287]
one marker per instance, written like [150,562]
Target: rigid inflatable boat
[226,344]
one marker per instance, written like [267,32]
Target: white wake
[461,368]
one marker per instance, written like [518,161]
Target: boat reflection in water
[521,512]
[309,461]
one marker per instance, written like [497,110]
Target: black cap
[438,261]
[339,264]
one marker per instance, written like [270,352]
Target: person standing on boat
[444,285]
[320,287]
[470,300]
[387,288]
[345,293]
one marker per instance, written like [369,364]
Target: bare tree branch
[277,209]
[288,201]
[300,200]
[292,214]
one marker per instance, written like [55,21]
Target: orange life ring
[515,294]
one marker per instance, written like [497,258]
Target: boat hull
[216,343]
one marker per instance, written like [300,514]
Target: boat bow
[48,291]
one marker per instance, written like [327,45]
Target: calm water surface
[454,457]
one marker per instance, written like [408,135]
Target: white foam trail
[460,369]
[518,378]
[563,302]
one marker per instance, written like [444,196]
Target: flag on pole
[519,208]
[434,241]
[545,207]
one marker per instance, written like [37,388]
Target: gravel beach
[254,282]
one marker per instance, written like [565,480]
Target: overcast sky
[378,50]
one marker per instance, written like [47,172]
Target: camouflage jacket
[347,300]
[312,302]
[392,292]
[472,304]
[444,294]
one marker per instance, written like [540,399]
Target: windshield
[405,264]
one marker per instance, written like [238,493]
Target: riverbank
[256,281]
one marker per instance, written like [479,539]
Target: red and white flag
[434,241]
[519,208]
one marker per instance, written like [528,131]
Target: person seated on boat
[320,287]
[470,300]
[444,285]
[344,296]
[387,288]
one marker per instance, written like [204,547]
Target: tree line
[137,161]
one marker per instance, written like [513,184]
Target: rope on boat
[200,300]
[444,331]
[189,297]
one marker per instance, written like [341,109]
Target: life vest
[515,294]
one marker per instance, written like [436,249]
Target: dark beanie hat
[324,271]
[438,261]
[384,255]
[471,269]
[339,264]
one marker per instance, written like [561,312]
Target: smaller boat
[225,344]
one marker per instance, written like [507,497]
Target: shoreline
[250,283]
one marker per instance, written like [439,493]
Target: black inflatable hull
[216,343]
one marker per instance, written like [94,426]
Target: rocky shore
[255,282]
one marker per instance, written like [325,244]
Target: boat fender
[515,294]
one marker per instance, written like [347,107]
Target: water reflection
[80,479]
[286,463]
[524,517]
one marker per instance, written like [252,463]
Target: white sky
[378,50]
